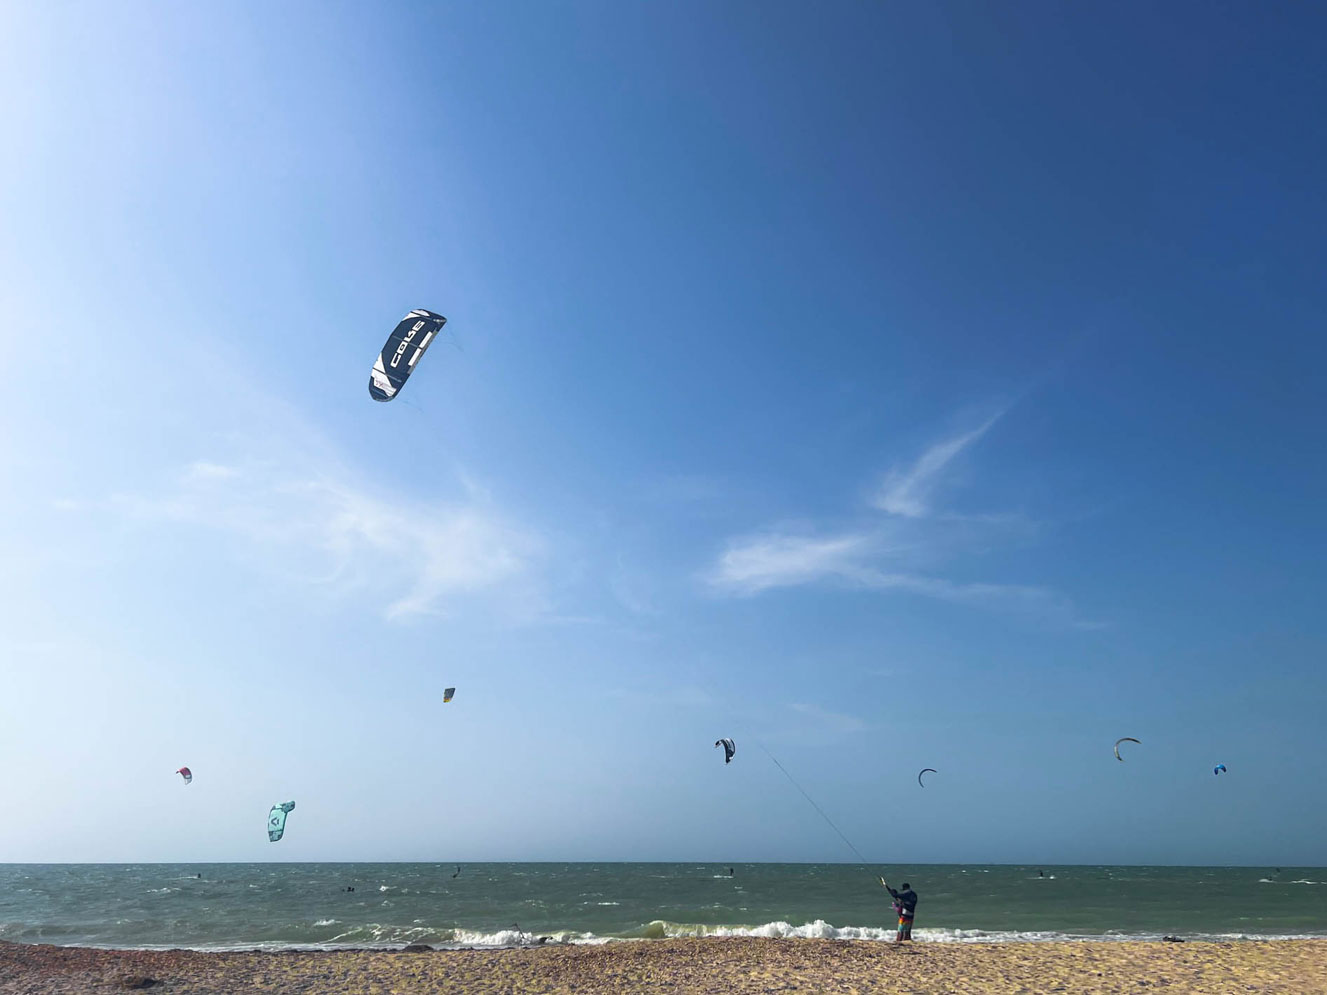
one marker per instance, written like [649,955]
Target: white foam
[375,935]
[818,930]
[502,938]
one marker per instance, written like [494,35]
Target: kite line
[813,803]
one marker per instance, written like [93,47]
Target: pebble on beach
[731,965]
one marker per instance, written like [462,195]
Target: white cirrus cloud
[331,533]
[907,491]
[770,561]
[898,553]
[760,562]
[830,721]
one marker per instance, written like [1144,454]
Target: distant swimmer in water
[905,904]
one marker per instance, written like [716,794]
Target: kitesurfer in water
[905,903]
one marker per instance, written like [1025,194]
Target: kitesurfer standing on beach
[905,903]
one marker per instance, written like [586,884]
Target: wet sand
[728,965]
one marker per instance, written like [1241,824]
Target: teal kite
[276,820]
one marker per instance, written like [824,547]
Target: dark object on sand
[1171,939]
[417,948]
[138,981]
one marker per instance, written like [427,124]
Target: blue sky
[894,386]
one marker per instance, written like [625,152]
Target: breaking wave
[821,930]
[391,936]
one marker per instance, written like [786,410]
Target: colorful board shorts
[905,927]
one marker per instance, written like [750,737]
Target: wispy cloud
[767,562]
[907,491]
[885,554]
[830,721]
[770,560]
[341,536]
[1041,602]
[681,696]
[630,588]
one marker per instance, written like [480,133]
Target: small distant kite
[1219,769]
[405,345]
[1126,739]
[187,774]
[447,694]
[925,770]
[276,820]
[729,749]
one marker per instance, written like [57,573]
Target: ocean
[273,906]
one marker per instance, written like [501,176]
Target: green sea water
[218,906]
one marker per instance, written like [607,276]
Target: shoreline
[730,964]
[551,942]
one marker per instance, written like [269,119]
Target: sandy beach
[686,966]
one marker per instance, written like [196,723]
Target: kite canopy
[404,347]
[276,820]
[447,694]
[925,770]
[187,774]
[1126,739]
[729,749]
[1219,769]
